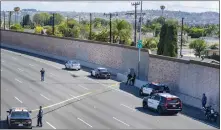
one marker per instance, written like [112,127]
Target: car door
[156,101]
[148,89]
[151,101]
[94,72]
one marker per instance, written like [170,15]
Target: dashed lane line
[121,121]
[18,100]
[83,87]
[20,69]
[18,80]
[50,125]
[128,107]
[44,97]
[31,65]
[84,122]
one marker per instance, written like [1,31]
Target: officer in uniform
[42,74]
[40,115]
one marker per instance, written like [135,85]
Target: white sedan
[73,65]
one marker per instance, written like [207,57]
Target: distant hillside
[189,18]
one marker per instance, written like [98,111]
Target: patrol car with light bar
[19,117]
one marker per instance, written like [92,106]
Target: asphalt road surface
[73,99]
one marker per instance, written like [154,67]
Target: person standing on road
[42,74]
[40,115]
[129,76]
[133,79]
[204,100]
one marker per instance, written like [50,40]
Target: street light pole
[110,27]
[90,26]
[181,39]
[135,28]
[141,18]
[53,24]
[4,20]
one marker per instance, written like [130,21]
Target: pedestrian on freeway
[40,115]
[129,76]
[133,79]
[204,100]
[42,74]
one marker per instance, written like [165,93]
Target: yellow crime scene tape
[72,98]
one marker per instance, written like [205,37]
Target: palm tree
[162,7]
[16,10]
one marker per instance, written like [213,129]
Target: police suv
[163,103]
[19,118]
[151,88]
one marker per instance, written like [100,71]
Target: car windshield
[157,87]
[73,62]
[19,114]
[103,70]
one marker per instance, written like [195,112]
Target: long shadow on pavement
[3,124]
[189,111]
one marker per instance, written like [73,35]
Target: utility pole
[110,14]
[110,27]
[9,21]
[4,20]
[67,21]
[53,24]
[90,27]
[141,18]
[181,39]
[135,28]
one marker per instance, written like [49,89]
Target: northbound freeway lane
[72,99]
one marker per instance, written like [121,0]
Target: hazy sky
[112,6]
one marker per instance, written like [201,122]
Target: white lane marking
[18,81]
[14,58]
[121,121]
[74,97]
[3,61]
[18,99]
[31,65]
[1,69]
[44,97]
[128,107]
[50,125]
[84,122]
[20,69]
[83,87]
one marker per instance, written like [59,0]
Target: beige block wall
[114,56]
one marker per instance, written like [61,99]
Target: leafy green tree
[168,40]
[98,22]
[58,18]
[41,19]
[196,32]
[150,43]
[214,46]
[121,30]
[84,31]
[26,20]
[199,46]
[17,27]
[160,20]
[102,36]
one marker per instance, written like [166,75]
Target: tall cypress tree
[168,40]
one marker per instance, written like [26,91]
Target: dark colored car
[19,118]
[101,73]
[152,88]
[163,103]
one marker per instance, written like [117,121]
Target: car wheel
[145,105]
[91,74]
[159,110]
[97,76]
[141,92]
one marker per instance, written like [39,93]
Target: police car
[101,73]
[163,103]
[72,65]
[19,118]
[151,88]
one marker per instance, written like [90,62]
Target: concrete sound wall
[187,79]
[116,57]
